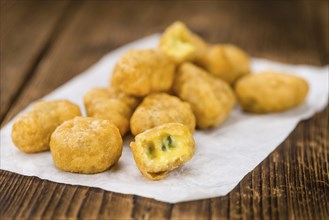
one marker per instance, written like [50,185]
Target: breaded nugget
[96,94]
[161,108]
[211,99]
[112,105]
[270,92]
[86,145]
[227,62]
[162,149]
[140,72]
[129,100]
[180,44]
[32,130]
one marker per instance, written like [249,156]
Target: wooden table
[44,44]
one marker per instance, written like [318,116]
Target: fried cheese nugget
[140,72]
[267,92]
[227,62]
[211,99]
[86,145]
[180,44]
[112,105]
[31,131]
[159,150]
[158,109]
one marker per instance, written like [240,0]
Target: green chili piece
[163,147]
[170,141]
[167,143]
[150,150]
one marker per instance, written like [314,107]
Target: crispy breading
[180,44]
[86,145]
[211,99]
[112,105]
[159,150]
[141,72]
[161,108]
[270,92]
[228,62]
[32,130]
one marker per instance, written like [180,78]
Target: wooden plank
[257,195]
[24,40]
[246,197]
[316,16]
[291,183]
[116,206]
[200,209]
[219,207]
[82,45]
[151,209]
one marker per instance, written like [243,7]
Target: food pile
[161,96]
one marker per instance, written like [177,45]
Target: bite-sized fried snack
[270,92]
[158,109]
[162,149]
[86,145]
[129,100]
[100,94]
[31,131]
[180,44]
[112,105]
[211,98]
[226,61]
[140,72]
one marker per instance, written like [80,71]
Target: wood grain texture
[291,183]
[27,30]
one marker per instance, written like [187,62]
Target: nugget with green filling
[181,44]
[161,149]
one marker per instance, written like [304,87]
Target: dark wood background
[46,43]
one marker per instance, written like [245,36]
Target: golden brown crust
[270,92]
[228,62]
[86,145]
[211,99]
[112,105]
[159,150]
[141,72]
[161,108]
[31,131]
[180,44]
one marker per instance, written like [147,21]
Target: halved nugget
[161,108]
[162,149]
[180,44]
[31,131]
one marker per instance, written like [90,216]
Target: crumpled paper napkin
[224,155]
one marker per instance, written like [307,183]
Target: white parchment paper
[224,155]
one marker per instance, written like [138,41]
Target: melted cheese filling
[165,150]
[179,49]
